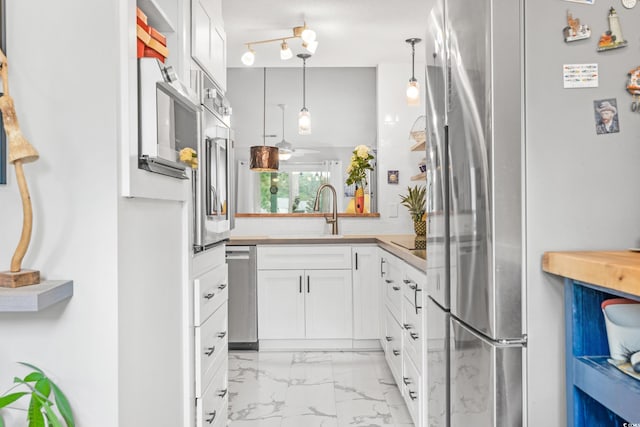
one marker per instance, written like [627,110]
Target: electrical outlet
[392,210]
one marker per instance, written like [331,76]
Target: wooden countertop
[397,244]
[618,270]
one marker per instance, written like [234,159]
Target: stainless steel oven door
[213,204]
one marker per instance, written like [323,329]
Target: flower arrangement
[359,165]
[189,157]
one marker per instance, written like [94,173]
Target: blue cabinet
[598,394]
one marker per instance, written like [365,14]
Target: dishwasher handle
[237,256]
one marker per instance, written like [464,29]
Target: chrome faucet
[334,218]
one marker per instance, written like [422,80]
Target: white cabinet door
[366,292]
[209,40]
[328,304]
[281,295]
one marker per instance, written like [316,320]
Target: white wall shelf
[420,177]
[156,17]
[35,297]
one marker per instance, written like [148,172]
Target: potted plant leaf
[415,201]
[40,412]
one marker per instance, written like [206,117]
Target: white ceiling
[350,33]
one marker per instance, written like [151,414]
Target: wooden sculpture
[20,152]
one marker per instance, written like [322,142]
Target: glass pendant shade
[248,58]
[413,93]
[264,158]
[304,122]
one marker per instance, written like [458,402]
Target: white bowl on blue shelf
[622,319]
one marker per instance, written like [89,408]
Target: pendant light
[413,88]
[264,158]
[304,117]
[285,149]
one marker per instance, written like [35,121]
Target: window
[293,190]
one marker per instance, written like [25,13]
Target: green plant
[415,201]
[359,165]
[40,412]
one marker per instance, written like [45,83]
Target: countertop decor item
[622,319]
[20,152]
[357,173]
[415,201]
[39,389]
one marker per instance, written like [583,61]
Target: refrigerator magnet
[574,30]
[605,112]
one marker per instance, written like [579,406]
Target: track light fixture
[307,35]
[413,88]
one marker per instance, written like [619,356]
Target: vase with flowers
[357,174]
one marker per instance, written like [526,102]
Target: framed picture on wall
[3,137]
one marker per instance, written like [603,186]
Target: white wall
[62,80]
[393,154]
[582,191]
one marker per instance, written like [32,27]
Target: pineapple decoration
[415,201]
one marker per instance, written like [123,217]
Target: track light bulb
[285,51]
[249,57]
[308,35]
[311,46]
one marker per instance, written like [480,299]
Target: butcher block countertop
[398,244]
[618,270]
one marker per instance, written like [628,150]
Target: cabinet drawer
[412,389]
[413,334]
[394,346]
[276,257]
[393,295]
[414,284]
[211,346]
[211,408]
[210,291]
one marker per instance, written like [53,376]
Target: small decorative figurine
[612,39]
[574,30]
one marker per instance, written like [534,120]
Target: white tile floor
[313,389]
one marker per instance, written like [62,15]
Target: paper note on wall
[580,75]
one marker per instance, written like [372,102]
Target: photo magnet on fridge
[606,116]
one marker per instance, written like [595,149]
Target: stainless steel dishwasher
[243,298]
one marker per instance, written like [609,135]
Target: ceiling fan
[285,148]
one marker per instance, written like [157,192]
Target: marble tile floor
[313,389]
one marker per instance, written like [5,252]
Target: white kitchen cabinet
[366,293]
[328,305]
[281,311]
[297,304]
[209,40]
[304,293]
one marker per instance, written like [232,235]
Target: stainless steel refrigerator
[476,340]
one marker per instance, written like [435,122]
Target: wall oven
[213,204]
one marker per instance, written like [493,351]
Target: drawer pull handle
[222,334]
[213,417]
[382,261]
[396,288]
[412,287]
[396,352]
[413,395]
[407,326]
[388,280]
[389,339]
[209,295]
[415,298]
[210,350]
[414,336]
[223,393]
[406,380]
[221,287]
[406,281]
